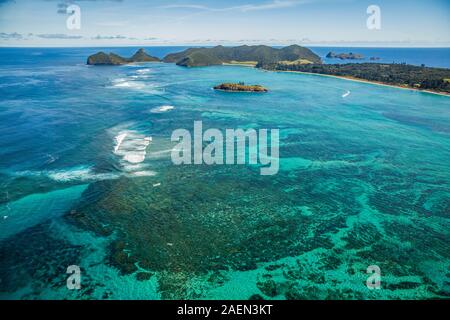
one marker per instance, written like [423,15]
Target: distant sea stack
[345,56]
[112,59]
[102,58]
[240,87]
[250,55]
[142,56]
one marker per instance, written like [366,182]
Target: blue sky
[207,22]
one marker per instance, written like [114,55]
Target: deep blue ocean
[86,179]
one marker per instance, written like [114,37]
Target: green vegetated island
[247,55]
[240,87]
[294,58]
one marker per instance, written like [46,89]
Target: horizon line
[232,45]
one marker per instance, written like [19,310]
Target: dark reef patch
[361,236]
[195,223]
[35,255]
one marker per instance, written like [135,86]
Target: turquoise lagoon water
[364,180]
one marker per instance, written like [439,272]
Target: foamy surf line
[162,109]
[146,173]
[132,150]
[144,71]
[119,140]
[125,83]
[87,175]
[81,173]
[133,83]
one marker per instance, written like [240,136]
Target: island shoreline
[237,91]
[247,65]
[348,78]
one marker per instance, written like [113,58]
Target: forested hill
[243,54]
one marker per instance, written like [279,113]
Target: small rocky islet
[349,56]
[345,56]
[240,87]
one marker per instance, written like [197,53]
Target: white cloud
[58,36]
[276,4]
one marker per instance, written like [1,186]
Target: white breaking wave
[135,157]
[132,83]
[131,149]
[80,173]
[86,174]
[345,95]
[144,71]
[119,140]
[119,80]
[70,174]
[161,152]
[130,167]
[129,84]
[147,173]
[139,77]
[131,146]
[162,109]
